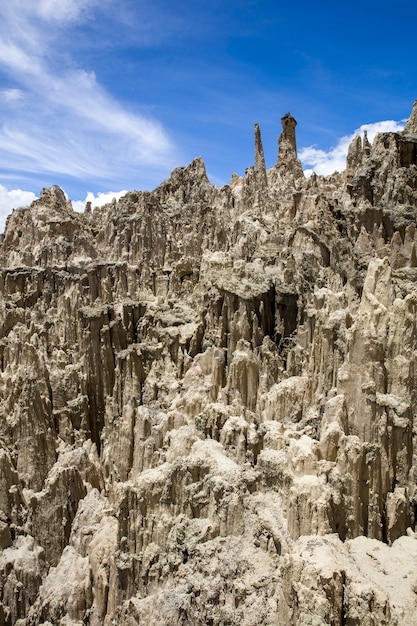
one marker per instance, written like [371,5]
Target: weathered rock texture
[208,399]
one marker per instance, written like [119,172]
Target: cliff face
[208,398]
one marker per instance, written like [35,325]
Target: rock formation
[208,399]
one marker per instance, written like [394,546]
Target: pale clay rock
[208,398]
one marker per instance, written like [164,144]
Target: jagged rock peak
[195,170]
[184,185]
[358,150]
[53,197]
[411,126]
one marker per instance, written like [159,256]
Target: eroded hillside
[208,398]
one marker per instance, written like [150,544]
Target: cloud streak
[334,160]
[59,119]
[63,10]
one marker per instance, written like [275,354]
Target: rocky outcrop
[208,398]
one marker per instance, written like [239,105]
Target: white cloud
[100,199]
[66,122]
[326,162]
[11,95]
[12,199]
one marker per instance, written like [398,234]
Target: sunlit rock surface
[208,399]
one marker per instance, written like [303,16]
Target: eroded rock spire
[287,147]
[260,168]
[288,131]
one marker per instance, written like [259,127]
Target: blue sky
[101,96]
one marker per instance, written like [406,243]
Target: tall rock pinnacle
[288,131]
[287,147]
[260,168]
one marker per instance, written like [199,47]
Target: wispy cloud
[326,162]
[63,10]
[11,95]
[65,121]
